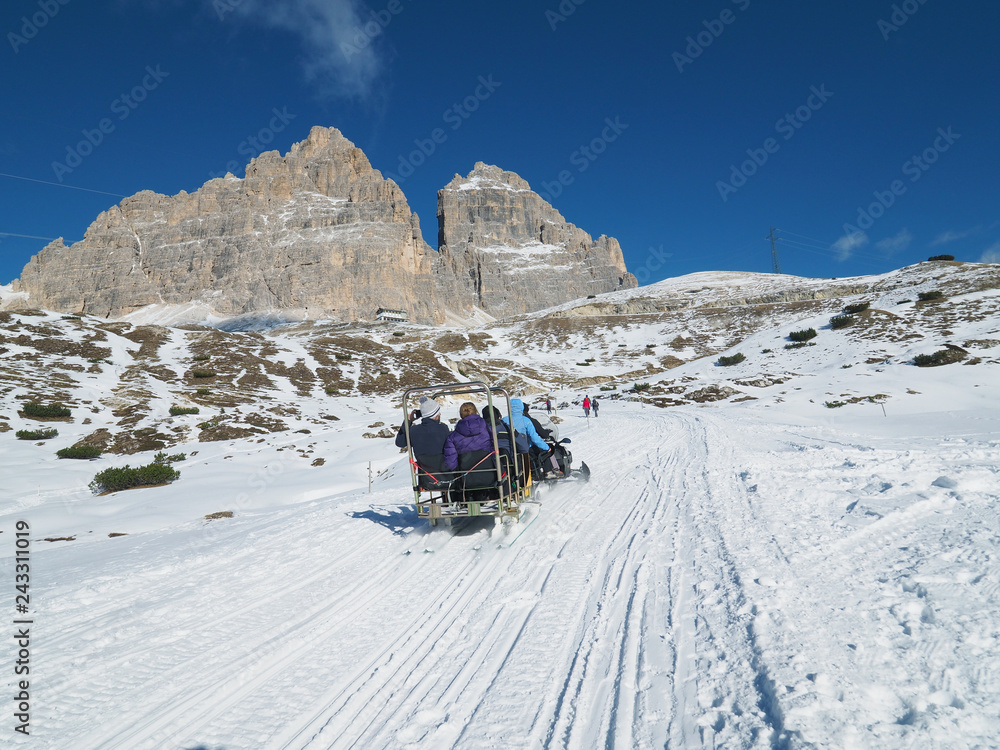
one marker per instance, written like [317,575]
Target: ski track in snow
[681,599]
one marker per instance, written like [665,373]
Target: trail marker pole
[369,477]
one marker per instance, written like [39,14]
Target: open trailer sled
[494,483]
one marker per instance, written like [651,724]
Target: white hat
[429,408]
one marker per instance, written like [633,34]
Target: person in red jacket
[586,406]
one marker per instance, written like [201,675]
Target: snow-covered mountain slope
[800,552]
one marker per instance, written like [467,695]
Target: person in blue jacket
[524,426]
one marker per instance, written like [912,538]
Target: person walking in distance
[548,406]
[594,405]
[586,406]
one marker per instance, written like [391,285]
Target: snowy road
[712,587]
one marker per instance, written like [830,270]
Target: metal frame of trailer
[443,495]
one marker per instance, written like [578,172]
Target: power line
[28,236]
[59,184]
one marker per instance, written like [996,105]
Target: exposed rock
[317,231]
[513,252]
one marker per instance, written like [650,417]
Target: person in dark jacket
[504,442]
[472,433]
[428,436]
[550,434]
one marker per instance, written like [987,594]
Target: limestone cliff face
[317,231]
[513,252]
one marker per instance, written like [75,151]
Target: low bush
[202,374]
[45,410]
[126,477]
[941,357]
[798,345]
[203,391]
[834,404]
[639,387]
[36,434]
[930,296]
[343,357]
[858,308]
[733,360]
[765,351]
[79,451]
[163,458]
[176,411]
[201,357]
[841,321]
[583,364]
[399,333]
[809,333]
[941,257]
[609,387]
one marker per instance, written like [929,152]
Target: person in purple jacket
[472,433]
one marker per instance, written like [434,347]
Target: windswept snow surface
[728,579]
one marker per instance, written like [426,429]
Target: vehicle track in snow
[618,620]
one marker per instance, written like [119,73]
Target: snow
[764,574]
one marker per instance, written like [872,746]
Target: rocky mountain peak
[513,249]
[319,233]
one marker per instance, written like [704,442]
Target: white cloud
[950,236]
[847,244]
[339,55]
[892,245]
[992,255]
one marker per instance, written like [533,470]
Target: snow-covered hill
[799,552]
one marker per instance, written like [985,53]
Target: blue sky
[865,131]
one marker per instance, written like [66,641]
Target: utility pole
[774,252]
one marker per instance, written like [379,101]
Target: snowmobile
[487,483]
[543,471]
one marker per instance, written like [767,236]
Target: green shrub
[798,345]
[126,477]
[765,351]
[609,387]
[639,387]
[36,434]
[163,458]
[45,410]
[941,357]
[590,359]
[834,404]
[202,374]
[176,411]
[930,296]
[79,451]
[841,321]
[399,333]
[343,357]
[200,357]
[858,308]
[941,257]
[808,333]
[583,364]
[203,391]
[733,360]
